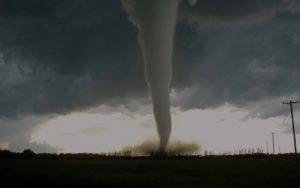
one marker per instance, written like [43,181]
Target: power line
[292,115]
[273,143]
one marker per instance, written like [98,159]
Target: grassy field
[203,172]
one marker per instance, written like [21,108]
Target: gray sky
[60,57]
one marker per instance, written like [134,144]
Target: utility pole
[291,107]
[273,143]
[267,147]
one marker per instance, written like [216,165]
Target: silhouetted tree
[6,154]
[28,154]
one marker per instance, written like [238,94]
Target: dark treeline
[29,154]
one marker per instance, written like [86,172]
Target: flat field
[140,172]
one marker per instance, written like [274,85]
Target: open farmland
[263,171]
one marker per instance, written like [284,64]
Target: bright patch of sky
[220,130]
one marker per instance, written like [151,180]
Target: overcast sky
[69,61]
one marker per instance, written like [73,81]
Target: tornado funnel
[156,22]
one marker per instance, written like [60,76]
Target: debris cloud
[177,147]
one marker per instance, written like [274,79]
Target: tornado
[156,22]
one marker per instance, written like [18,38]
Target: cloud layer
[219,13]
[57,57]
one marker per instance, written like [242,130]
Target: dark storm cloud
[230,12]
[60,56]
[246,66]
